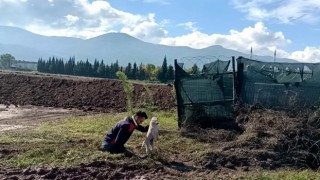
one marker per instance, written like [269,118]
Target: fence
[278,85]
[202,97]
[208,98]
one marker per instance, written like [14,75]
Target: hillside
[110,47]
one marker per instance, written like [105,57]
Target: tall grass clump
[128,89]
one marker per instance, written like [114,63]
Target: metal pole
[274,62]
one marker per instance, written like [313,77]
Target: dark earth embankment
[82,93]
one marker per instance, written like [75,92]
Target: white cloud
[289,11]
[86,19]
[163,2]
[147,30]
[309,54]
[190,26]
[77,18]
[11,1]
[259,37]
[71,19]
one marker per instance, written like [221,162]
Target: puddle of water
[13,117]
[14,112]
[6,113]
[180,167]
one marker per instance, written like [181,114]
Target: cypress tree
[170,75]
[88,69]
[116,67]
[95,68]
[40,65]
[68,67]
[162,76]
[101,69]
[142,73]
[195,69]
[134,71]
[48,65]
[52,67]
[72,65]
[128,71]
[112,71]
[108,71]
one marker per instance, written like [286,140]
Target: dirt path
[13,118]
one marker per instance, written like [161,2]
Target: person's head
[140,116]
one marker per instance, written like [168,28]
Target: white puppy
[152,135]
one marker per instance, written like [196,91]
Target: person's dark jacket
[119,134]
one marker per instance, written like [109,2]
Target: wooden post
[239,78]
[178,94]
[234,79]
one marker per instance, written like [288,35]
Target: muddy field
[269,141]
[101,170]
[81,93]
[14,118]
[265,139]
[95,170]
[27,100]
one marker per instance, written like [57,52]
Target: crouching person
[119,134]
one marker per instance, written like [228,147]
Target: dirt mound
[270,140]
[289,136]
[95,170]
[86,94]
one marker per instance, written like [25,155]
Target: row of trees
[100,69]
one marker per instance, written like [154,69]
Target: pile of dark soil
[95,170]
[81,93]
[270,140]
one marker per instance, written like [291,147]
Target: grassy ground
[36,73]
[76,140]
[285,175]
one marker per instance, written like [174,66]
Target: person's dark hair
[141,114]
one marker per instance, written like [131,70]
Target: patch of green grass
[70,142]
[285,175]
[6,139]
[76,140]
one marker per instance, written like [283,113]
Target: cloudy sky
[292,26]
